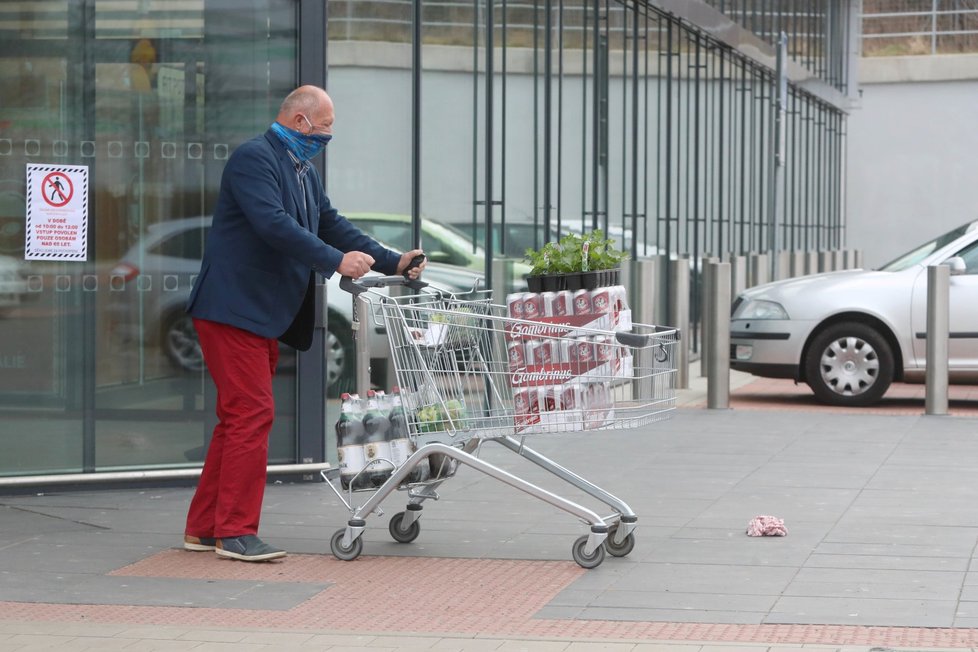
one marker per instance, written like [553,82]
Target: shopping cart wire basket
[468,371]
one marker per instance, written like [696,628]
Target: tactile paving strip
[474,597]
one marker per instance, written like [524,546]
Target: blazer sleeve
[345,236]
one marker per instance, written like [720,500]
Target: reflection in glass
[100,367]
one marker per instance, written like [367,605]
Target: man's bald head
[307,109]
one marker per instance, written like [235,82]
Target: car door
[962,317]
[391,233]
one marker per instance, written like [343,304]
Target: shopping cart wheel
[586,561]
[345,554]
[619,549]
[402,535]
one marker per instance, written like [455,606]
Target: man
[273,227]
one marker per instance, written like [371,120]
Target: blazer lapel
[291,178]
[298,191]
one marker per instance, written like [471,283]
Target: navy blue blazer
[268,236]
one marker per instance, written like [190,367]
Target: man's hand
[406,259]
[355,264]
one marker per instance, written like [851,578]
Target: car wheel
[849,364]
[180,343]
[339,357]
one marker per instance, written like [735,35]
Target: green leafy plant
[602,253]
[567,255]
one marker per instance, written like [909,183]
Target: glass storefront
[99,369]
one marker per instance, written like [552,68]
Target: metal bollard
[811,262]
[706,306]
[718,335]
[838,260]
[759,269]
[938,283]
[503,279]
[679,316]
[783,266]
[847,259]
[825,261]
[641,280]
[797,263]
[738,274]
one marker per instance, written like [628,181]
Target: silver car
[151,283]
[850,334]
[13,284]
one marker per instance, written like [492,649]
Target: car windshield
[916,255]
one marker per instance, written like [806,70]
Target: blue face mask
[304,146]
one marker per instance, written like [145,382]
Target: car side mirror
[957,265]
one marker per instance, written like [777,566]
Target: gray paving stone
[887,562]
[159,592]
[855,611]
[739,550]
[861,531]
[707,578]
[959,551]
[617,599]
[731,616]
[874,583]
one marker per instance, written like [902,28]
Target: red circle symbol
[57,189]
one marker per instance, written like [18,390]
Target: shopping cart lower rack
[469,371]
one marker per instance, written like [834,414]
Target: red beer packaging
[580,354]
[534,305]
[587,405]
[561,373]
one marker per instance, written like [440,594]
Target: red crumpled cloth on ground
[766,526]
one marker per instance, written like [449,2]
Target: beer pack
[562,372]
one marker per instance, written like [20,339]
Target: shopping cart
[469,372]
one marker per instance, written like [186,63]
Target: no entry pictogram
[57,212]
[57,189]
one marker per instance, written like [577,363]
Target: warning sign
[57,212]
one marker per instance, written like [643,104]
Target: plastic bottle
[401,446]
[378,448]
[350,439]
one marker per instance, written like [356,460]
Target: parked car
[850,334]
[150,285]
[520,236]
[442,243]
[13,284]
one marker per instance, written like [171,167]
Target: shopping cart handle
[634,340]
[365,283]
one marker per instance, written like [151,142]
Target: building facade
[661,122]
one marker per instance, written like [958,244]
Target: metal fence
[631,120]
[815,28]
[909,27]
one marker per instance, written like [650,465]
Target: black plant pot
[592,280]
[574,281]
[552,282]
[549,282]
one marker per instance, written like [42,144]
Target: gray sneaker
[247,547]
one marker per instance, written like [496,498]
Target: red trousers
[228,499]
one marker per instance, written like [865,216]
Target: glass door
[100,365]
